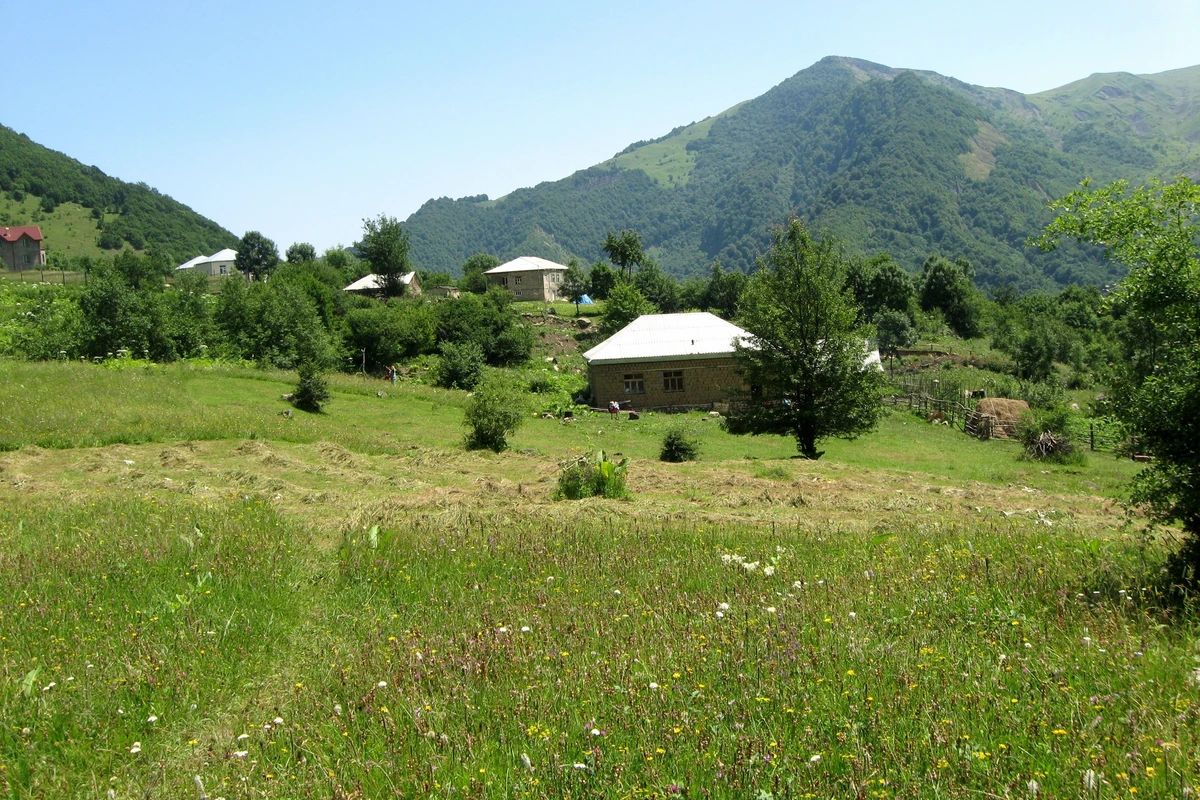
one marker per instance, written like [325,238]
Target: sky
[300,119]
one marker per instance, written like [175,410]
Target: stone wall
[704,382]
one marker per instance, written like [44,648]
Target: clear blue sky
[301,118]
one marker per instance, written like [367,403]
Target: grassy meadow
[203,597]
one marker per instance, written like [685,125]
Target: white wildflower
[502,629]
[137,748]
[798,585]
[525,629]
[243,737]
[381,685]
[1089,781]
[750,566]
[768,570]
[770,609]
[1032,787]
[152,719]
[814,759]
[577,765]
[240,753]
[653,686]
[595,731]
[525,760]
[723,607]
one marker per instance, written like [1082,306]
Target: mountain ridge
[903,160]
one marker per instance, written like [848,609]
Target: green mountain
[901,161]
[82,211]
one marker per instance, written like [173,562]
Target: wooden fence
[960,412]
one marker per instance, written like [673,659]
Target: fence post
[1092,434]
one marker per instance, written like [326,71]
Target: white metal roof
[194,262]
[652,337]
[228,254]
[373,282]
[525,264]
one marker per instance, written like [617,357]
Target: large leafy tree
[385,246]
[804,361]
[257,256]
[474,280]
[624,304]
[625,250]
[1155,231]
[301,253]
[947,286]
[574,285]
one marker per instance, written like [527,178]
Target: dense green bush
[1045,435]
[494,412]
[584,477]
[460,366]
[312,391]
[678,445]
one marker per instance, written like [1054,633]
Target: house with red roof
[21,247]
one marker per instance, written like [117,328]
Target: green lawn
[195,586]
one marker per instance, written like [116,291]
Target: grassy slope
[69,229]
[1161,112]
[942,633]
[668,161]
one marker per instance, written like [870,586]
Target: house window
[635,383]
[673,381]
[517,279]
[224,270]
[504,281]
[25,259]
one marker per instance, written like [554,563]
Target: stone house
[529,278]
[667,361]
[21,247]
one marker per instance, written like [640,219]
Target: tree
[724,291]
[894,332]
[657,286]
[385,246]
[574,285]
[257,256]
[301,252]
[1155,231]
[601,280]
[624,305]
[473,279]
[624,250]
[804,361]
[946,286]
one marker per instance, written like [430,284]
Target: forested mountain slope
[903,161]
[82,211]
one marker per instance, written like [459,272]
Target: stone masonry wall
[705,381]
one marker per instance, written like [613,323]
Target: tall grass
[458,654]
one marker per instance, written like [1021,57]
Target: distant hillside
[82,211]
[897,160]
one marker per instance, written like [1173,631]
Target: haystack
[997,417]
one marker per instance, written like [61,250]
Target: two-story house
[21,247]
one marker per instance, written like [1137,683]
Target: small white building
[219,263]
[373,284]
[529,278]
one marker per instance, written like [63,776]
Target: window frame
[634,382]
[672,380]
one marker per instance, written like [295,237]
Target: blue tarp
[585,301]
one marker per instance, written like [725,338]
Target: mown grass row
[148,642]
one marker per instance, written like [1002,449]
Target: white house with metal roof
[667,361]
[219,263]
[373,284]
[529,278]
